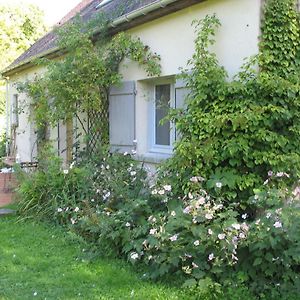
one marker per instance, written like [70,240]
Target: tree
[20,27]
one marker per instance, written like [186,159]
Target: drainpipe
[7,115]
[141,12]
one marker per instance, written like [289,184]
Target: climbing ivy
[280,38]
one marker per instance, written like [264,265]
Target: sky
[54,9]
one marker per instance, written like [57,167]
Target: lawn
[42,262]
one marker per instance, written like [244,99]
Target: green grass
[40,262]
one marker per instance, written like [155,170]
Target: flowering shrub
[197,236]
[270,256]
[52,193]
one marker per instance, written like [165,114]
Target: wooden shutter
[15,111]
[122,117]
[181,93]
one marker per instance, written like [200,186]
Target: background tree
[20,27]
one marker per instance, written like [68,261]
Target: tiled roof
[86,9]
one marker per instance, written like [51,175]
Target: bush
[49,191]
[235,132]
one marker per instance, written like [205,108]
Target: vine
[238,134]
[79,81]
[280,38]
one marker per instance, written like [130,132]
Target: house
[163,25]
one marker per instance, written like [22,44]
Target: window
[162,106]
[162,133]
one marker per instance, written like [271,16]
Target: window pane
[162,105]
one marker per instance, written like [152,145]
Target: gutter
[141,12]
[117,22]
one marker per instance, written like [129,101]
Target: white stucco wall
[25,137]
[173,36]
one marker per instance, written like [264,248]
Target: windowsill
[154,158]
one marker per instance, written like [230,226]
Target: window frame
[153,147]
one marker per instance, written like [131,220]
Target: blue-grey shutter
[181,93]
[122,117]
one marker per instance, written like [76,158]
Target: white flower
[127,224]
[208,216]
[219,184]
[197,179]
[187,210]
[221,236]
[277,225]
[76,209]
[98,191]
[173,213]
[133,173]
[210,232]
[134,255]
[66,171]
[201,201]
[211,256]
[236,226]
[107,195]
[279,174]
[270,173]
[107,167]
[73,221]
[195,265]
[197,243]
[219,206]
[268,216]
[190,195]
[125,153]
[296,192]
[242,235]
[59,210]
[266,182]
[173,238]
[167,188]
[153,231]
[244,216]
[161,192]
[35,294]
[154,192]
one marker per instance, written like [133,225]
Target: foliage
[79,82]
[3,141]
[43,191]
[270,257]
[280,35]
[19,29]
[235,132]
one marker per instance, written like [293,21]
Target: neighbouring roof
[47,45]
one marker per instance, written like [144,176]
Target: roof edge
[127,18]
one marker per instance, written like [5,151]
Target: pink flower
[208,216]
[221,236]
[277,225]
[174,238]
